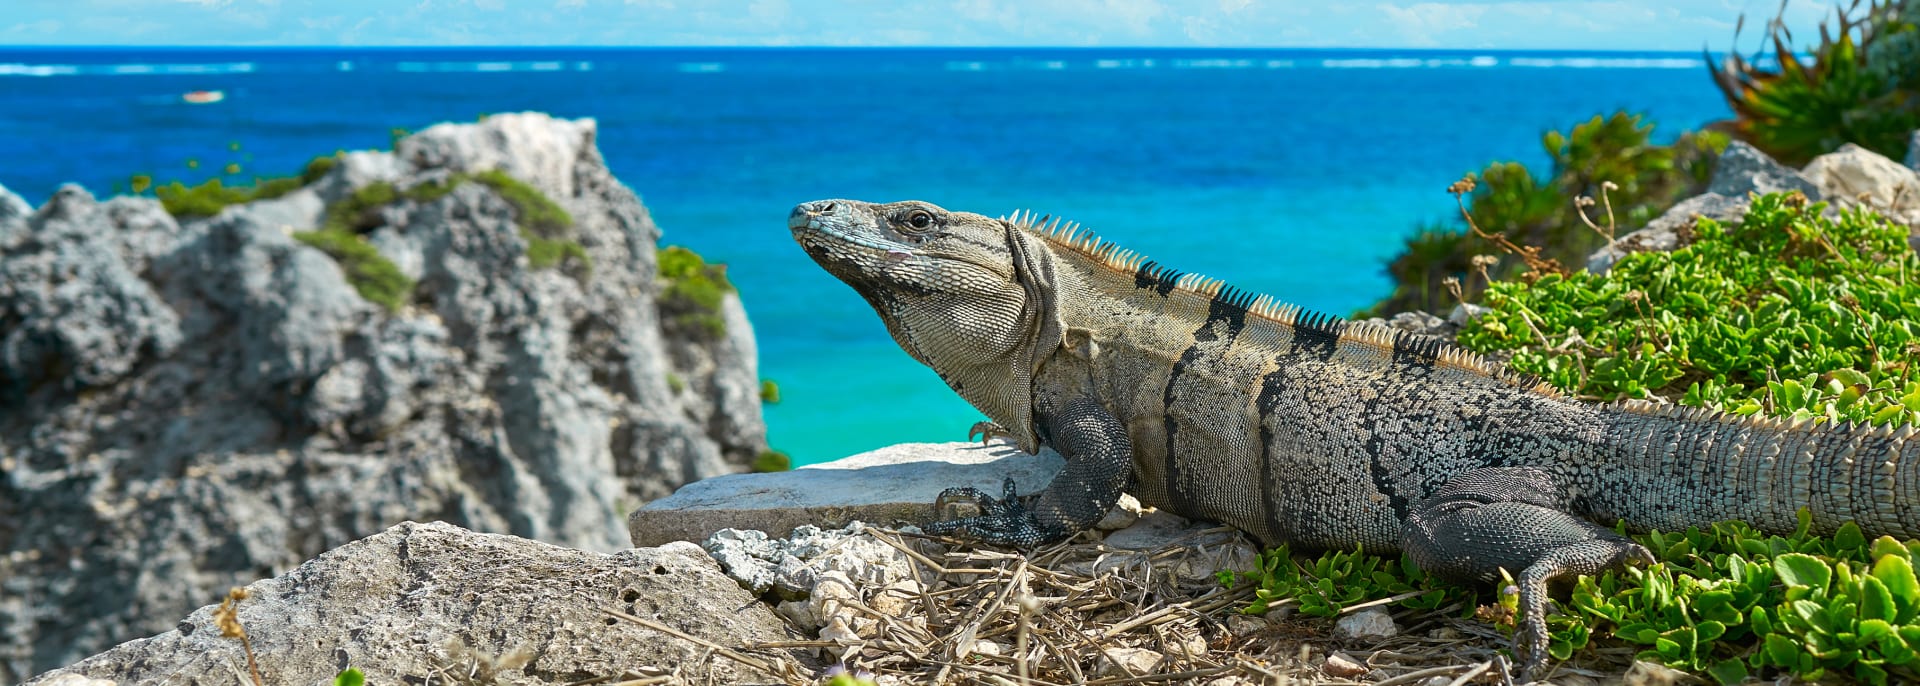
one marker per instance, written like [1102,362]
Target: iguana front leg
[1099,460]
[1512,518]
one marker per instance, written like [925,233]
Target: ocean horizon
[1291,172]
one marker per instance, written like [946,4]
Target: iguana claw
[1003,521]
[987,431]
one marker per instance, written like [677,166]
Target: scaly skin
[1307,430]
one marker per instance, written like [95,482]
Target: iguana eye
[920,220]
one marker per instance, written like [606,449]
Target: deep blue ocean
[1289,172]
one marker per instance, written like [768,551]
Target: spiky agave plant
[1858,87]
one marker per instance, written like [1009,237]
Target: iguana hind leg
[1512,518]
[1099,462]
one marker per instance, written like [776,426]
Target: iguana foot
[987,431]
[1512,518]
[1002,522]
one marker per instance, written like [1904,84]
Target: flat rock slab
[417,602]
[895,485]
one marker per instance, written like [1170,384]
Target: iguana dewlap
[1303,429]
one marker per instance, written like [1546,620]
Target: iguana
[1300,428]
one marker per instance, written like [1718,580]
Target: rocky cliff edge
[187,405]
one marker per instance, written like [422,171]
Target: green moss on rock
[533,209]
[377,278]
[213,195]
[694,292]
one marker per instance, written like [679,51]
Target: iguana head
[968,295]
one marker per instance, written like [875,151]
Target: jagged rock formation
[1849,177]
[424,600]
[190,405]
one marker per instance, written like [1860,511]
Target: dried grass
[1054,615]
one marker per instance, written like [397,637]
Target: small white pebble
[1373,622]
[1339,666]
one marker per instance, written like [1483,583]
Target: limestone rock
[1743,169]
[1671,230]
[1913,154]
[1740,171]
[1855,176]
[1125,512]
[1340,666]
[1466,312]
[891,486]
[189,405]
[1846,174]
[792,566]
[1125,662]
[1373,622]
[418,598]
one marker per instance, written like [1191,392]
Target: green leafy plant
[1611,157]
[350,677]
[769,392]
[1789,313]
[1336,580]
[1862,85]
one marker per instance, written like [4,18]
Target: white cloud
[1421,23]
[44,27]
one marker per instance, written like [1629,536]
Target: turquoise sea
[1290,172]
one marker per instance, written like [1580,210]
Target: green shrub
[769,392]
[204,200]
[772,461]
[694,292]
[1609,159]
[359,212]
[1788,313]
[1862,86]
[213,195]
[533,209]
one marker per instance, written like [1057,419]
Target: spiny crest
[1072,236]
[1754,421]
[1078,238]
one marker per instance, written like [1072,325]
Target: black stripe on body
[1271,386]
[1228,307]
[1317,334]
[1411,367]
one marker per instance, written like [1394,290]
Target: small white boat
[203,97]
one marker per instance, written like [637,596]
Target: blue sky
[1534,24]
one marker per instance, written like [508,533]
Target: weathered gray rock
[889,486]
[792,565]
[1671,230]
[1854,176]
[1466,312]
[190,405]
[1372,622]
[415,599]
[1742,169]
[72,313]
